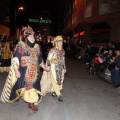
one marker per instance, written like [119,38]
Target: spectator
[115,73]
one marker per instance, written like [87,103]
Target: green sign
[39,21]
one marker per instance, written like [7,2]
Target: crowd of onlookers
[102,59]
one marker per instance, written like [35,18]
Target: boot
[2,69]
[53,94]
[60,98]
[32,106]
[17,100]
[29,105]
[7,69]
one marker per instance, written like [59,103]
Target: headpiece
[57,38]
[26,31]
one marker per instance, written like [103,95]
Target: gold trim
[20,93]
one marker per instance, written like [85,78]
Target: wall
[4,29]
[115,30]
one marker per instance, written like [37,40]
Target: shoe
[53,94]
[60,99]
[17,100]
[29,105]
[32,106]
[2,69]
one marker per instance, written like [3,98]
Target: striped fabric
[45,83]
[7,88]
[10,81]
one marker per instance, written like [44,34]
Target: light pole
[17,9]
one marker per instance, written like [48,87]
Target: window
[105,7]
[88,8]
[75,2]
[73,17]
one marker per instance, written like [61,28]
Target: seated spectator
[81,53]
[111,64]
[98,60]
[109,56]
[115,72]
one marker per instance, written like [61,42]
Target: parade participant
[7,52]
[52,81]
[22,80]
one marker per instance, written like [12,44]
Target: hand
[111,60]
[17,73]
[65,71]
[47,69]
[59,83]
[116,68]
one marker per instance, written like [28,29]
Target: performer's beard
[30,44]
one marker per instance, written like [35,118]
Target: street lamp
[20,8]
[17,16]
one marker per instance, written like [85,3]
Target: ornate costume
[23,77]
[5,54]
[52,81]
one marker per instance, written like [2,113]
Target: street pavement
[86,97]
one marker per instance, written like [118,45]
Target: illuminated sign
[39,21]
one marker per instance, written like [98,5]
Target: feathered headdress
[25,32]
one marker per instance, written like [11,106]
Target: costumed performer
[52,81]
[22,80]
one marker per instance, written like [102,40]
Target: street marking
[66,112]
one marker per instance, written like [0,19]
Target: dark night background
[32,8]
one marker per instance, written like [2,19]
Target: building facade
[92,20]
[46,24]
[4,17]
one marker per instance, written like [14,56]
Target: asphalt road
[86,97]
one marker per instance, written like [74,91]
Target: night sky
[32,9]
[34,6]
